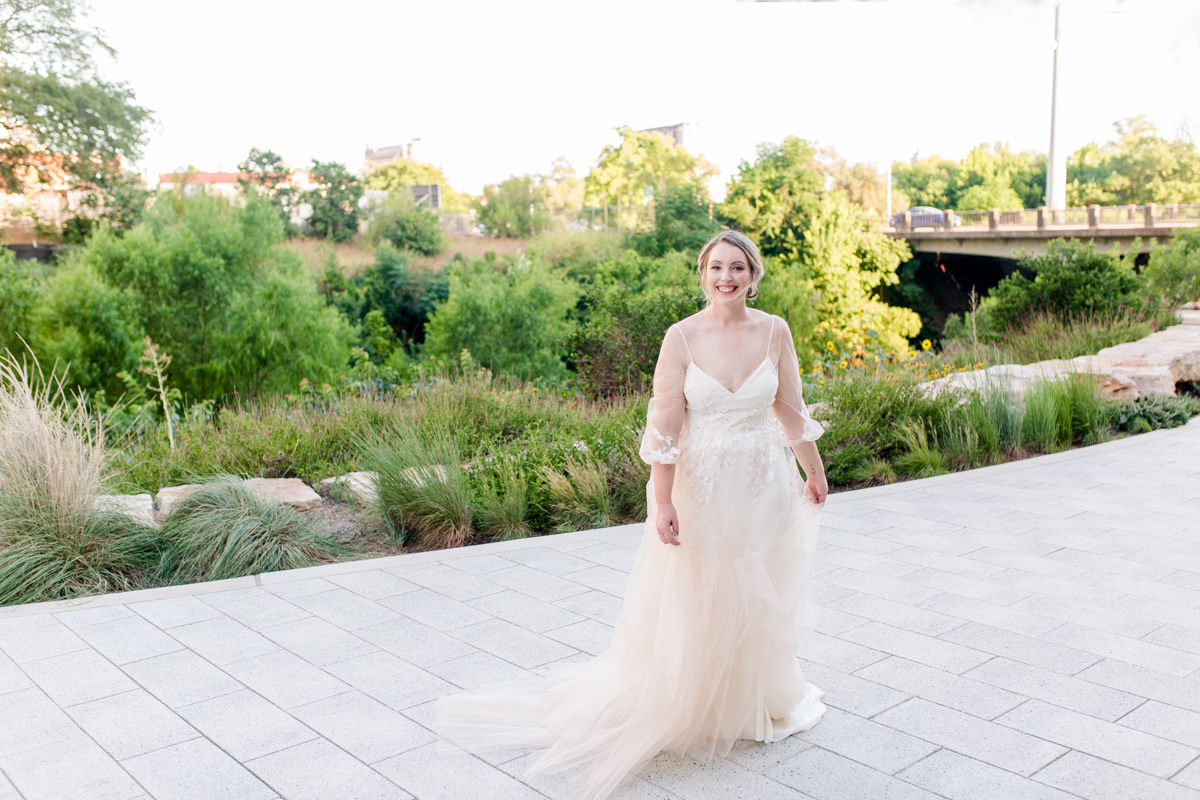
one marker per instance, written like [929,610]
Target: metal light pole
[1056,164]
[888,187]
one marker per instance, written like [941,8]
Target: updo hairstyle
[746,245]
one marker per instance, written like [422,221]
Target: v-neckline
[731,393]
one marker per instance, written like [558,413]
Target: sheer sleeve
[667,411]
[789,406]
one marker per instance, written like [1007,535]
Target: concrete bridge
[1003,234]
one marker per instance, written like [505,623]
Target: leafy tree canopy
[405,172]
[513,209]
[989,177]
[771,198]
[265,172]
[1138,167]
[334,201]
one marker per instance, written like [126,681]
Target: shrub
[1152,413]
[224,530]
[580,499]
[1173,275]
[1071,279]
[420,486]
[406,225]
[921,457]
[504,503]
[1064,411]
[54,543]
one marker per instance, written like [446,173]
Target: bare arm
[667,521]
[814,470]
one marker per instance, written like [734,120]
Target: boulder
[358,485]
[289,491]
[169,496]
[139,507]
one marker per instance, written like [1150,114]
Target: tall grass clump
[580,499]
[421,487]
[1063,411]
[54,543]
[224,530]
[921,457]
[504,503]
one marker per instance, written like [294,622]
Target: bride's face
[727,274]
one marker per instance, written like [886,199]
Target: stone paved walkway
[1027,631]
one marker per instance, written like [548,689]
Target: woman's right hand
[667,524]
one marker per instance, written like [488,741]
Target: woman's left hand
[817,487]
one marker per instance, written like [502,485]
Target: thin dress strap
[770,335]
[685,342]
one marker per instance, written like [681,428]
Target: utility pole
[888,187]
[1056,164]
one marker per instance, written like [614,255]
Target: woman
[704,652]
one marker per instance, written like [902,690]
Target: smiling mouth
[726,289]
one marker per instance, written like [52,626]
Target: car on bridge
[924,217]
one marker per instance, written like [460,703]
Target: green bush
[18,295]
[1173,275]
[406,225]
[1152,413]
[580,498]
[224,530]
[1070,280]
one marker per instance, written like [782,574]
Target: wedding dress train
[704,651]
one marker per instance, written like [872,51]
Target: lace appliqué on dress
[666,454]
[719,439]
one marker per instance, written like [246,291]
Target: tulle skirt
[703,654]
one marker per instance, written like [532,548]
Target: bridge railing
[1149,215]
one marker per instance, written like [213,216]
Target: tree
[861,183]
[1173,275]
[643,163]
[771,199]
[264,171]
[1138,167]
[682,221]
[334,201]
[512,319]
[406,225]
[930,181]
[405,172]
[513,209]
[58,115]
[18,297]
[561,192]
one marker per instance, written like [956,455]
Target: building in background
[379,157]
[677,132]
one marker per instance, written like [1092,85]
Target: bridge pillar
[948,219]
[1093,216]
[1041,218]
[906,221]
[1150,212]
[993,219]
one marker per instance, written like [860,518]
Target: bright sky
[496,88]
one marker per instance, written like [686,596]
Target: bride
[704,652]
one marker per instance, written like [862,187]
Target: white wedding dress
[704,652]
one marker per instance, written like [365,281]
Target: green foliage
[18,297]
[334,201]
[225,530]
[407,226]
[930,181]
[772,199]
[989,177]
[579,496]
[996,193]
[1138,167]
[510,316]
[1173,275]
[1070,279]
[1152,413]
[420,486]
[504,507]
[404,173]
[264,172]
[682,221]
[616,349]
[512,209]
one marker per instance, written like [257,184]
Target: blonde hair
[743,243]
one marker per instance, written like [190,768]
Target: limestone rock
[289,491]
[358,485]
[139,507]
[169,496]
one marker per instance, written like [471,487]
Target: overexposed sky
[496,88]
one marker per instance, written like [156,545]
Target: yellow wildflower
[926,344]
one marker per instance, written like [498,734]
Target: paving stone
[557,786]
[839,654]
[1169,722]
[1106,740]
[131,724]
[12,678]
[78,677]
[1032,564]
[867,742]
[24,644]
[390,680]
[1097,779]
[761,756]
[264,610]
[854,540]
[1177,637]
[1145,682]
[938,686]
[850,693]
[92,616]
[970,736]
[317,770]
[527,612]
[987,590]
[318,642]
[961,778]
[1120,566]
[927,650]
[1121,648]
[827,776]
[588,636]
[175,611]
[195,769]
[429,775]
[1027,650]
[415,643]
[286,679]
[898,615]
[864,562]
[363,727]
[1103,619]
[477,669]
[1074,693]
[180,679]
[1189,776]
[608,555]
[438,612]
[453,583]
[223,641]
[995,616]
[597,605]
[482,564]
[301,588]
[540,585]
[246,725]
[601,578]
[551,562]
[128,639]
[718,779]
[374,584]
[832,622]
[345,609]
[73,768]
[29,719]
[513,644]
[879,586]
[945,562]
